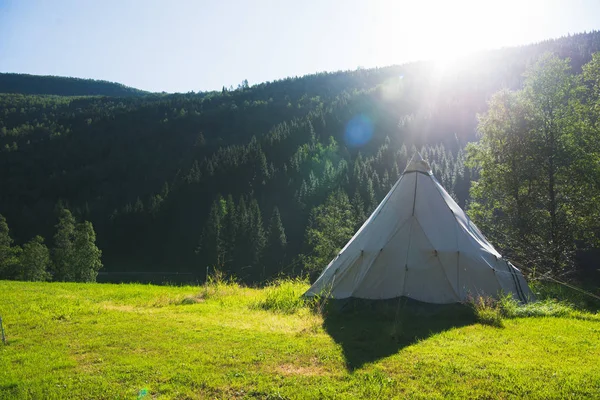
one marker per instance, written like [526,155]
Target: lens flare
[359,131]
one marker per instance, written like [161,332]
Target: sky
[198,45]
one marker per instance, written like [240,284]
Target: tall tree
[258,237]
[276,244]
[526,161]
[331,225]
[87,256]
[9,255]
[34,261]
[212,246]
[358,207]
[63,252]
[75,256]
[230,227]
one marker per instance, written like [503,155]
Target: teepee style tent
[420,244]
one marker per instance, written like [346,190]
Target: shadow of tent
[371,330]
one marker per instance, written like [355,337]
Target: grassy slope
[112,341]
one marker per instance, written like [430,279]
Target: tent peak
[417,164]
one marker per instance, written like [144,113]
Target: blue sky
[179,46]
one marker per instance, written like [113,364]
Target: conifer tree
[34,261]
[371,198]
[257,233]
[331,225]
[230,228]
[276,244]
[87,255]
[63,252]
[9,255]
[211,245]
[358,207]
[5,242]
[241,252]
[75,256]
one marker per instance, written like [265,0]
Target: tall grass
[219,285]
[285,296]
[576,299]
[549,307]
[491,312]
[487,310]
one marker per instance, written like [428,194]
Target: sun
[445,31]
[446,63]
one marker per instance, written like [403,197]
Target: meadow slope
[103,341]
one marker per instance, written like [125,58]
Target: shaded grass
[102,341]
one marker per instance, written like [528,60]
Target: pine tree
[211,245]
[358,207]
[241,253]
[34,261]
[371,202]
[195,174]
[75,256]
[331,225]
[63,252]
[87,256]
[262,166]
[230,228]
[5,242]
[9,255]
[257,231]
[276,244]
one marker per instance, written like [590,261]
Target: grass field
[103,341]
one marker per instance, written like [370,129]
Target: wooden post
[2,330]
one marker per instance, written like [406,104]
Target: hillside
[183,183]
[101,341]
[63,86]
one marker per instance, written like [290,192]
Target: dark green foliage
[87,255]
[537,157]
[75,256]
[58,85]
[9,254]
[276,245]
[358,208]
[258,238]
[330,226]
[5,243]
[34,261]
[63,250]
[212,243]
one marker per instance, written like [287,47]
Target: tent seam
[438,260]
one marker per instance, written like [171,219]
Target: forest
[274,178]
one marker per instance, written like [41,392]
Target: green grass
[101,341]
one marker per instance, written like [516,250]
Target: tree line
[74,256]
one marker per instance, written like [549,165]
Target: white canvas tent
[420,244]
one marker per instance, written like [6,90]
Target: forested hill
[252,180]
[62,86]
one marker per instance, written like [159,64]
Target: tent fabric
[419,243]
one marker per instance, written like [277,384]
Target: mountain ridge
[63,86]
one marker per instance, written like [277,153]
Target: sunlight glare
[447,31]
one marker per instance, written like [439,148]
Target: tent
[420,244]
